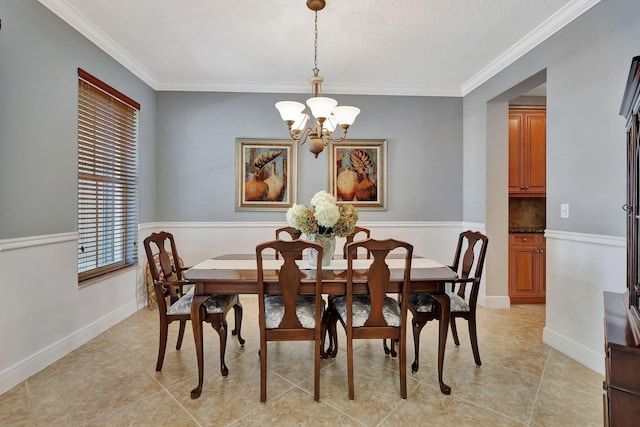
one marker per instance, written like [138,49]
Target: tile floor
[111,381]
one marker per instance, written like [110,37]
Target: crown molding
[80,23]
[539,34]
[545,30]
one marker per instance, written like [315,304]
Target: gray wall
[196,154]
[586,67]
[39,58]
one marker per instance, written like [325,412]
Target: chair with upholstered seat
[362,234]
[330,319]
[468,262]
[285,314]
[169,284]
[293,234]
[373,314]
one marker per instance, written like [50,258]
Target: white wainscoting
[579,268]
[39,276]
[45,314]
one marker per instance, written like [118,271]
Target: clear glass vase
[328,242]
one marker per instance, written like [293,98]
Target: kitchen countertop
[525,230]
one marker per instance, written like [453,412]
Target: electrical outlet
[564,210]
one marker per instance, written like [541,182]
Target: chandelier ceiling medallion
[327,115]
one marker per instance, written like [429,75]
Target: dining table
[237,274]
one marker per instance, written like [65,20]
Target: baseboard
[572,349]
[22,370]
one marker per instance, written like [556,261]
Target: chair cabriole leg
[237,315]
[454,331]
[162,346]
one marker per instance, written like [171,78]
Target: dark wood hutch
[622,321]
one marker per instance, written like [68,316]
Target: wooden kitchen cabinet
[527,152]
[527,268]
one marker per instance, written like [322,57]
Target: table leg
[445,309]
[197,314]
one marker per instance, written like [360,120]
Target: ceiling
[383,47]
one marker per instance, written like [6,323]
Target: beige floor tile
[154,409]
[377,389]
[295,408]
[427,405]
[566,406]
[494,387]
[565,371]
[224,400]
[15,408]
[111,380]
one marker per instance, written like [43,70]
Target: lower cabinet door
[527,269]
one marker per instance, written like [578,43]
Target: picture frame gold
[358,173]
[265,174]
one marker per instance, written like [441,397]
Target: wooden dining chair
[373,314]
[330,319]
[362,233]
[285,314]
[468,262]
[293,234]
[169,284]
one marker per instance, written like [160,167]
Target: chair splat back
[377,280]
[472,238]
[294,234]
[169,261]
[350,238]
[289,277]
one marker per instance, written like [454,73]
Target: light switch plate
[564,210]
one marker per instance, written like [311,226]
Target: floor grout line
[134,341]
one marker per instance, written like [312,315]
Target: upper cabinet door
[537,150]
[527,152]
[516,165]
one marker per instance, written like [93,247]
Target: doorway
[527,197]
[497,196]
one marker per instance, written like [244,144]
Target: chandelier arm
[300,137]
[330,137]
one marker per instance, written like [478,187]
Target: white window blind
[107,178]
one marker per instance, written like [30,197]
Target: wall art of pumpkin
[354,183]
[265,184]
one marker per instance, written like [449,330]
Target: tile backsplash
[527,212]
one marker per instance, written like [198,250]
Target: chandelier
[327,116]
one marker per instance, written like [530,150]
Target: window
[107,178]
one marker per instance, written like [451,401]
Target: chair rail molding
[31,241]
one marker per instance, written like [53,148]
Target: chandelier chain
[327,115]
[315,47]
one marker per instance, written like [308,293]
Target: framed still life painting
[265,174]
[358,173]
